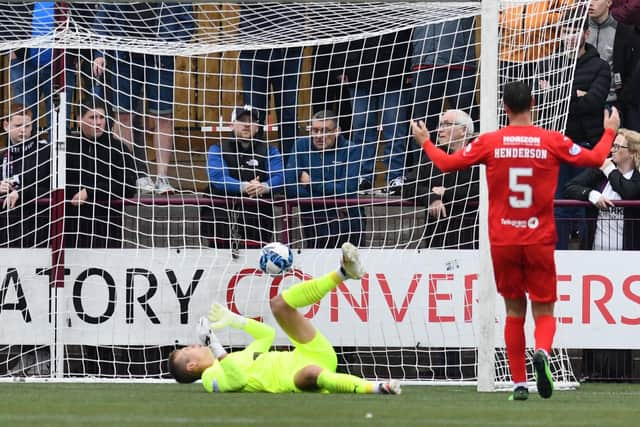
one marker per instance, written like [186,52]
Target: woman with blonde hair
[611,227]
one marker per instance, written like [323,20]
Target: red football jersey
[522,175]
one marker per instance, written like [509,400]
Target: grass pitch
[94,405]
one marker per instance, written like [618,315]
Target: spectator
[619,45]
[375,71]
[451,198]
[100,173]
[589,91]
[131,73]
[244,170]
[626,11]
[82,15]
[445,68]
[325,165]
[611,227]
[25,178]
[31,69]
[274,71]
[327,90]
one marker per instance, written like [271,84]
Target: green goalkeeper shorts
[318,351]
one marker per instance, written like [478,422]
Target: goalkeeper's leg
[314,377]
[285,305]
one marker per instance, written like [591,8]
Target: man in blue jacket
[245,170]
[326,166]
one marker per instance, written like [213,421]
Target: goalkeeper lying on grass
[311,366]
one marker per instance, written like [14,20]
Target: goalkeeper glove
[208,338]
[220,316]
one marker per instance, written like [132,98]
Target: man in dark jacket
[25,178]
[100,173]
[589,91]
[245,171]
[452,198]
[619,45]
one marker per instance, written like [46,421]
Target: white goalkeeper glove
[220,317]
[208,338]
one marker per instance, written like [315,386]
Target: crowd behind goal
[342,155]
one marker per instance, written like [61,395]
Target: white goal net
[151,149]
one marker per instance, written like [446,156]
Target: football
[275,259]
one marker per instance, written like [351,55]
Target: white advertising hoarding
[408,298]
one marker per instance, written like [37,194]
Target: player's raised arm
[574,154]
[461,159]
[221,317]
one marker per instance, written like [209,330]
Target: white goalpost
[140,200]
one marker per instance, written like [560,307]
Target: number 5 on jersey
[523,196]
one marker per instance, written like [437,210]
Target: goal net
[151,149]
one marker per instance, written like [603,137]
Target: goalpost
[113,279]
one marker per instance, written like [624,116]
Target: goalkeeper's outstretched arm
[262,333]
[227,373]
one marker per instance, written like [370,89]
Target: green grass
[94,405]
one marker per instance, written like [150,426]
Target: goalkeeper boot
[390,387]
[519,393]
[544,380]
[350,264]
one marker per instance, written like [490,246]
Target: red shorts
[525,269]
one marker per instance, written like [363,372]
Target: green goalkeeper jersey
[249,371]
[256,369]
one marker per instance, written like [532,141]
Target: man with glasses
[326,165]
[451,198]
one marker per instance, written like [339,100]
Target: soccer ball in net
[275,258]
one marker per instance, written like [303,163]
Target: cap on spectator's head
[242,111]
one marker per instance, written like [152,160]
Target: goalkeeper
[311,366]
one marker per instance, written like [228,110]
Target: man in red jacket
[522,163]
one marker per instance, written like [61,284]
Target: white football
[276,258]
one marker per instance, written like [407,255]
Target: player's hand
[220,317]
[420,132]
[611,120]
[203,331]
[11,200]
[604,203]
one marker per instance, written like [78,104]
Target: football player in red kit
[522,163]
